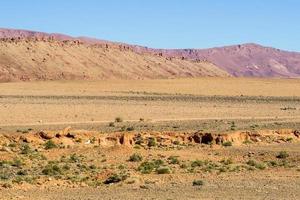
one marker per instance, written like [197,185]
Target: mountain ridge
[242,60]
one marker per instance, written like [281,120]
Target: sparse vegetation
[256,164]
[198,183]
[26,149]
[227,144]
[151,142]
[197,163]
[52,170]
[173,160]
[282,155]
[149,166]
[111,124]
[50,145]
[131,128]
[163,170]
[135,157]
[118,119]
[233,126]
[116,178]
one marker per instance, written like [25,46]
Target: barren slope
[247,60]
[29,55]
[38,56]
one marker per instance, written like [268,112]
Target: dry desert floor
[208,138]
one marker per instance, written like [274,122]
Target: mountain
[246,60]
[29,55]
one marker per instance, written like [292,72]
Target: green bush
[22,173]
[227,144]
[151,142]
[135,158]
[52,170]
[25,149]
[282,155]
[227,161]
[146,167]
[74,158]
[260,166]
[16,163]
[50,145]
[173,160]
[197,163]
[163,170]
[149,166]
[256,164]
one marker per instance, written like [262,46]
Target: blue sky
[163,23]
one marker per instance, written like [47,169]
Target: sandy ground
[162,100]
[208,104]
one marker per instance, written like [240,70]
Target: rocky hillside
[250,60]
[29,55]
[26,55]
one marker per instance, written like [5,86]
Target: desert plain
[193,138]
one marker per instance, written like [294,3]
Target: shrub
[118,119]
[282,155]
[22,173]
[74,158]
[52,170]
[16,163]
[151,142]
[147,167]
[158,163]
[227,144]
[251,162]
[260,166]
[66,167]
[123,128]
[198,183]
[247,142]
[233,126]
[227,161]
[222,169]
[163,170]
[173,160]
[255,164]
[273,163]
[111,124]
[25,149]
[50,145]
[115,178]
[12,145]
[197,163]
[131,128]
[135,158]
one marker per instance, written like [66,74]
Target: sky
[163,23]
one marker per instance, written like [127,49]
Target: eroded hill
[47,58]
